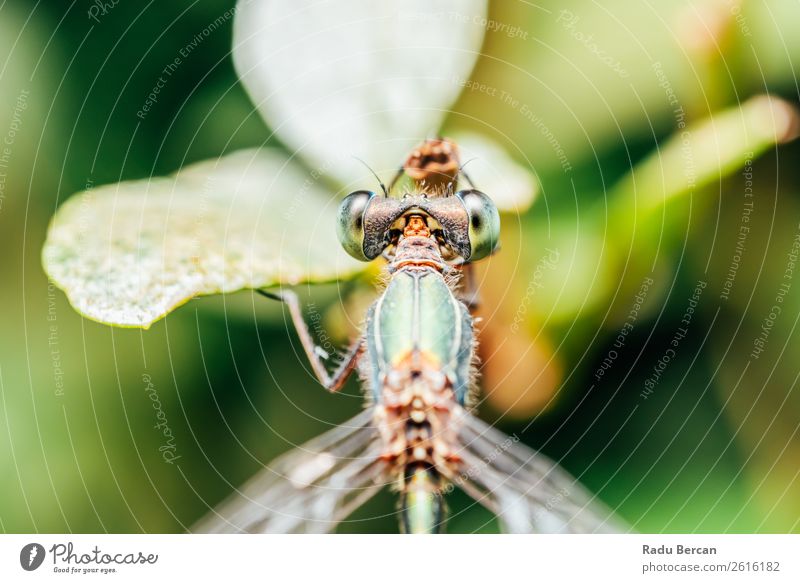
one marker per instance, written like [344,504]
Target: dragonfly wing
[526,490]
[311,488]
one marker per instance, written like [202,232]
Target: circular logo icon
[31,556]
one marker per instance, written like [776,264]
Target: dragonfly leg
[469,293]
[335,381]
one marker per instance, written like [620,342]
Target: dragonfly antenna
[383,187]
[464,174]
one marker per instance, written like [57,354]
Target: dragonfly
[417,358]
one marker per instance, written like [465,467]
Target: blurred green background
[713,448]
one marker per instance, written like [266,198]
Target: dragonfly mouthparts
[416,226]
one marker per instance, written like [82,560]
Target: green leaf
[603,256]
[127,254]
[511,186]
[644,207]
[358,78]
[702,153]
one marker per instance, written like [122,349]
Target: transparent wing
[527,491]
[309,489]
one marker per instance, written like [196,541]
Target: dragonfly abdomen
[419,443]
[422,506]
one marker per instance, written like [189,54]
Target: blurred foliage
[713,448]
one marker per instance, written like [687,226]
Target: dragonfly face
[466,225]
[417,356]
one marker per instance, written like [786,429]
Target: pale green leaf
[511,186]
[126,254]
[598,249]
[356,77]
[704,151]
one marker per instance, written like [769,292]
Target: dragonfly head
[466,225]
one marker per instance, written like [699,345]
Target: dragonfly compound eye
[484,223]
[350,223]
